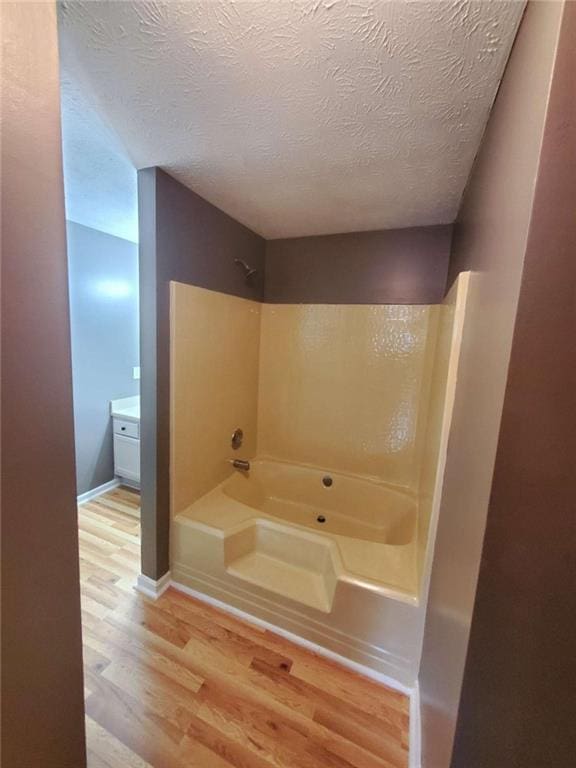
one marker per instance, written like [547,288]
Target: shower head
[248,270]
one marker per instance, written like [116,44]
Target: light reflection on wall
[112,289]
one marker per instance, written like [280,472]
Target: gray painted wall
[103,277]
[393,266]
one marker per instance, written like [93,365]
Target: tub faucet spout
[241,464]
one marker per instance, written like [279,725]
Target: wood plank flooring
[177,684]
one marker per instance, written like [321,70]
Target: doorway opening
[103,272]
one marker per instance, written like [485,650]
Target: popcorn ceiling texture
[99,181]
[299,118]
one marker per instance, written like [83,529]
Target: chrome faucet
[241,464]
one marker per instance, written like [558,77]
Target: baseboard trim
[354,666]
[152,589]
[134,484]
[95,492]
[415,732]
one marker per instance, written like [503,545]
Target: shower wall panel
[346,386]
[214,383]
[439,412]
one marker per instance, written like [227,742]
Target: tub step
[295,583]
[297,565]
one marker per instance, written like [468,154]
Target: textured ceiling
[99,180]
[304,117]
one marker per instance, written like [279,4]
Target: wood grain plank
[155,691]
[106,750]
[222,637]
[151,651]
[321,698]
[375,739]
[345,684]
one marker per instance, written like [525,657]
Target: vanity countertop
[126,408]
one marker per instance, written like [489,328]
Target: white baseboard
[153,589]
[134,484]
[95,492]
[415,733]
[325,652]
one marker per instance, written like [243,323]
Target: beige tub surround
[215,339]
[439,414]
[346,412]
[345,387]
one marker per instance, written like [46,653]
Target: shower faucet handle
[237,438]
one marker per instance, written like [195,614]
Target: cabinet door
[127,457]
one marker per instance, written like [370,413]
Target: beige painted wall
[345,386]
[214,386]
[490,239]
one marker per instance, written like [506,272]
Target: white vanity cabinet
[127,450]
[126,431]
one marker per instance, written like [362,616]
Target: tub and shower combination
[333,556]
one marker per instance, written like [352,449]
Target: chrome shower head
[248,270]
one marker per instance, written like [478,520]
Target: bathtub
[328,556]
[329,503]
[365,528]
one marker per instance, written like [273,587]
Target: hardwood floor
[177,684]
